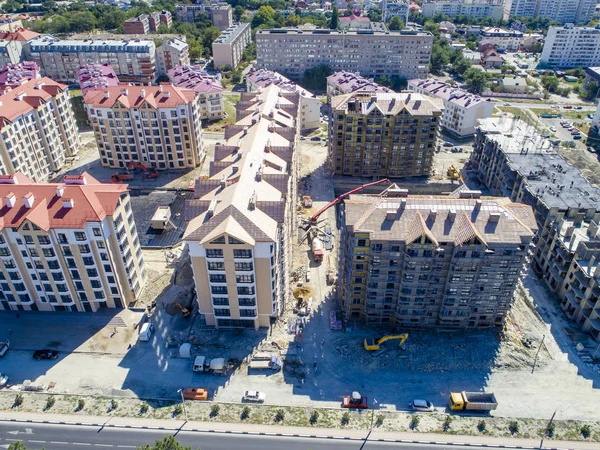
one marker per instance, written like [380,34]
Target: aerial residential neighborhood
[293,224]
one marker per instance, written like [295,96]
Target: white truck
[265,361]
[216,366]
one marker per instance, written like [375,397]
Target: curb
[258,433]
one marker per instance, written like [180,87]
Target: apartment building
[220,14]
[207,87]
[147,23]
[432,261]
[229,47]
[385,135]
[133,60]
[341,83]
[567,11]
[242,219]
[158,126]
[395,8]
[290,52]
[571,46]
[69,246]
[494,9]
[14,75]
[172,53]
[524,8]
[309,110]
[503,40]
[13,45]
[38,130]
[462,110]
[94,77]
[512,159]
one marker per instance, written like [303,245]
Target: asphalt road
[76,437]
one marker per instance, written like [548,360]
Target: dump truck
[317,250]
[472,401]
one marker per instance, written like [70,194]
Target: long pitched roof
[390,103]
[164,96]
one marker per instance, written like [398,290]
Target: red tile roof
[164,96]
[92,201]
[20,34]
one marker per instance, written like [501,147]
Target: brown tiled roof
[163,96]
[20,34]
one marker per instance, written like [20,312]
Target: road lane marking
[104,445]
[81,443]
[59,442]
[126,446]
[36,442]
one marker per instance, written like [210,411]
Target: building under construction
[511,159]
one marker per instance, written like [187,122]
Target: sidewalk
[283,430]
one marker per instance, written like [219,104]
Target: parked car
[146,331]
[448,144]
[591,149]
[3,379]
[506,104]
[254,396]
[422,405]
[577,136]
[195,394]
[315,138]
[45,354]
[579,107]
[553,129]
[567,107]
[590,116]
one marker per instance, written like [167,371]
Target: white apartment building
[241,222]
[507,40]
[70,246]
[37,129]
[462,110]
[290,52]
[563,11]
[494,9]
[229,47]
[571,46]
[309,110]
[524,8]
[391,8]
[172,53]
[158,126]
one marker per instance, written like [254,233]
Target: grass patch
[566,113]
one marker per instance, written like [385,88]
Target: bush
[245,412]
[113,404]
[379,420]
[18,400]
[513,427]
[50,402]
[279,415]
[481,426]
[345,418]
[550,429]
[80,404]
[214,410]
[144,408]
[446,424]
[177,410]
[414,422]
[586,431]
[314,417]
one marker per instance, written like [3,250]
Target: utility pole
[183,403]
[546,430]
[537,353]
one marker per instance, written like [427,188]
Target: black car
[45,354]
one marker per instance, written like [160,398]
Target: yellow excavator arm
[374,344]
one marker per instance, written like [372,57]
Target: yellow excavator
[453,172]
[373,344]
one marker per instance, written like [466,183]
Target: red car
[567,107]
[355,401]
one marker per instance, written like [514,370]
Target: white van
[146,331]
[422,405]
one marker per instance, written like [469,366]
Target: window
[4,251]
[97,232]
[28,239]
[361,243]
[43,240]
[222,312]
[80,236]
[214,253]
[218,289]
[62,238]
[216,265]
[245,290]
[240,253]
[217,278]
[92,273]
[245,267]
[95,284]
[88,260]
[99,295]
[84,248]
[220,301]
[247,313]
[233,240]
[220,240]
[57,276]
[247,301]
[75,274]
[244,278]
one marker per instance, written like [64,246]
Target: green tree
[439,58]
[236,76]
[335,15]
[475,80]
[167,443]
[537,47]
[264,16]
[17,446]
[194,48]
[209,36]
[292,20]
[396,24]
[238,12]
[432,27]
[316,79]
[374,15]
[550,83]
[589,91]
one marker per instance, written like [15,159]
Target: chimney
[68,203]
[252,203]
[60,190]
[245,132]
[160,88]
[124,92]
[478,204]
[10,199]
[259,173]
[452,214]
[167,95]
[268,146]
[28,199]
[402,204]
[143,93]
[106,94]
[432,214]
[223,182]
[494,217]
[234,169]
[211,208]
[390,215]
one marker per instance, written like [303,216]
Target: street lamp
[183,403]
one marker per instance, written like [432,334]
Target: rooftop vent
[10,199]
[124,92]
[390,215]
[60,190]
[212,207]
[478,204]
[223,182]
[68,203]
[432,213]
[452,215]
[28,199]
[494,217]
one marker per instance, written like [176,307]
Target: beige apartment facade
[158,126]
[37,129]
[371,53]
[229,47]
[69,246]
[384,134]
[432,261]
[242,218]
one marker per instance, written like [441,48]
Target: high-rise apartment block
[511,159]
[69,246]
[158,126]
[38,130]
[309,111]
[229,47]
[462,110]
[219,13]
[290,52]
[395,8]
[341,83]
[14,45]
[563,11]
[242,220]
[147,23]
[208,88]
[173,52]
[432,261]
[495,9]
[571,46]
[384,134]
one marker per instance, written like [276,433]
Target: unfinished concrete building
[242,218]
[432,261]
[511,159]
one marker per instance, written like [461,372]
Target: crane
[313,220]
[374,344]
